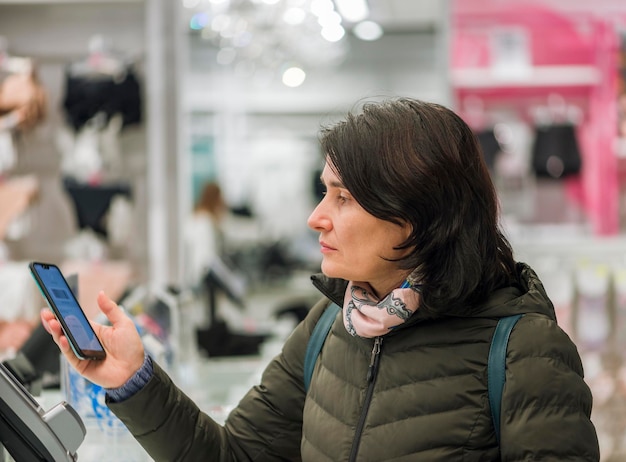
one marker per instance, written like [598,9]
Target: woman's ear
[407,229]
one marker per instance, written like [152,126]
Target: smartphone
[65,307]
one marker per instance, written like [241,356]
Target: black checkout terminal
[28,433]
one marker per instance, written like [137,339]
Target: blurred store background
[120,119]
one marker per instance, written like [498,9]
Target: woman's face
[353,241]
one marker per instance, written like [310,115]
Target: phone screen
[61,299]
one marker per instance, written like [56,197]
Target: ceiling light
[368,30]
[353,10]
[267,34]
[333,33]
[294,77]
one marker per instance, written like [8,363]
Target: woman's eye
[336,195]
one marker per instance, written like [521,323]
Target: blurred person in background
[203,236]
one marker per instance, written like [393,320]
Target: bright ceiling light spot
[333,33]
[353,10]
[294,77]
[368,30]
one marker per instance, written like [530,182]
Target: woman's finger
[111,310]
[52,325]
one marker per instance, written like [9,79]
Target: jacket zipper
[372,371]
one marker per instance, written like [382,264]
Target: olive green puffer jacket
[420,395]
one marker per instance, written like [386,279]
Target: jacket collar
[525,295]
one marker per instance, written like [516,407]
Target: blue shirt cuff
[134,384]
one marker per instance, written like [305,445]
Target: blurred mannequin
[23,95]
[22,105]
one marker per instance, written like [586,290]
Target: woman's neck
[383,287]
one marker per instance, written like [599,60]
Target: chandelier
[270,37]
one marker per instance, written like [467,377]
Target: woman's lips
[325,248]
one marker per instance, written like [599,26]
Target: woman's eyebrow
[333,183]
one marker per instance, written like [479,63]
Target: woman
[413,253]
[203,234]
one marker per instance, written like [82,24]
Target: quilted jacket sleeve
[546,404]
[169,425]
[265,426]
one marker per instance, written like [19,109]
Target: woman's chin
[327,270]
[332,271]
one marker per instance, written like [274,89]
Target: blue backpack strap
[318,337]
[496,367]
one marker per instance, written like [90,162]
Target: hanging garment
[490,146]
[91,203]
[81,157]
[87,95]
[555,151]
[92,151]
[120,220]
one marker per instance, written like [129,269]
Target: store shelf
[537,76]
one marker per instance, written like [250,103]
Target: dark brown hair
[408,160]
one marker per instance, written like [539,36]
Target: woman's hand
[125,352]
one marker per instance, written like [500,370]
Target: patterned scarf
[366,316]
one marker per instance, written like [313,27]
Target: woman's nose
[319,220]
